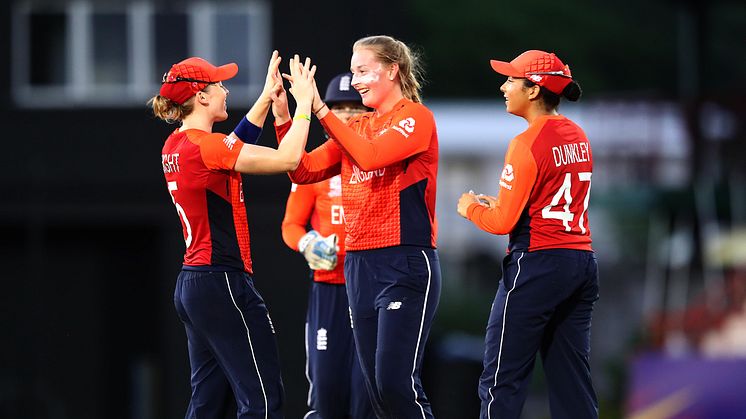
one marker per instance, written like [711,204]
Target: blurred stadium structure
[90,245]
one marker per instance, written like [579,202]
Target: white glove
[320,252]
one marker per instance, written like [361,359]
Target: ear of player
[320,252]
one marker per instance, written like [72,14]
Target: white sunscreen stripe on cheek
[371,77]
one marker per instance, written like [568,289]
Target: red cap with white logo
[188,77]
[542,68]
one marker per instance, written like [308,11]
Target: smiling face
[517,96]
[371,78]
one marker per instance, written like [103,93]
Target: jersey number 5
[564,193]
[171,188]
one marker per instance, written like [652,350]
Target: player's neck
[535,112]
[388,104]
[196,122]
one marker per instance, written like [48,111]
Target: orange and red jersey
[544,189]
[389,167]
[321,203]
[208,195]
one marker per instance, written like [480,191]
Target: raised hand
[301,79]
[273,78]
[279,97]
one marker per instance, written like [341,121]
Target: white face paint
[368,77]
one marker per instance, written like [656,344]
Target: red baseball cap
[188,77]
[542,68]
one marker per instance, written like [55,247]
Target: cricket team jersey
[208,196]
[544,190]
[321,203]
[389,166]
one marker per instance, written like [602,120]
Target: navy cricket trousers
[543,305]
[337,389]
[232,345]
[393,294]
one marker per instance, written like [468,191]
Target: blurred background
[91,244]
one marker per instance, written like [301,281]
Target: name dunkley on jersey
[544,189]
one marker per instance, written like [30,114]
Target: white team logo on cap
[344,83]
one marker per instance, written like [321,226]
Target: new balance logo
[394,305]
[229,142]
[359,176]
[321,340]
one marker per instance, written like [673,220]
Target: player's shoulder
[416,111]
[535,130]
[408,106]
[211,139]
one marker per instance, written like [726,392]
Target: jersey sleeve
[297,214]
[322,163]
[220,151]
[516,182]
[281,130]
[410,133]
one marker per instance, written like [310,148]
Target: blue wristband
[247,132]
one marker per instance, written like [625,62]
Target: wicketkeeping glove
[320,252]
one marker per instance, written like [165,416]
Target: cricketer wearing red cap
[232,347]
[549,284]
[188,77]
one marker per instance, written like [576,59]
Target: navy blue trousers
[543,305]
[393,294]
[337,389]
[232,346]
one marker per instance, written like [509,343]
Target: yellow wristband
[302,116]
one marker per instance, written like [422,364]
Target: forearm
[291,234]
[293,143]
[258,113]
[492,220]
[388,148]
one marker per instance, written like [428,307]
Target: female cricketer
[388,161]
[549,285]
[337,389]
[231,340]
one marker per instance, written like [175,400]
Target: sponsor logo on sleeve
[506,179]
[405,127]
